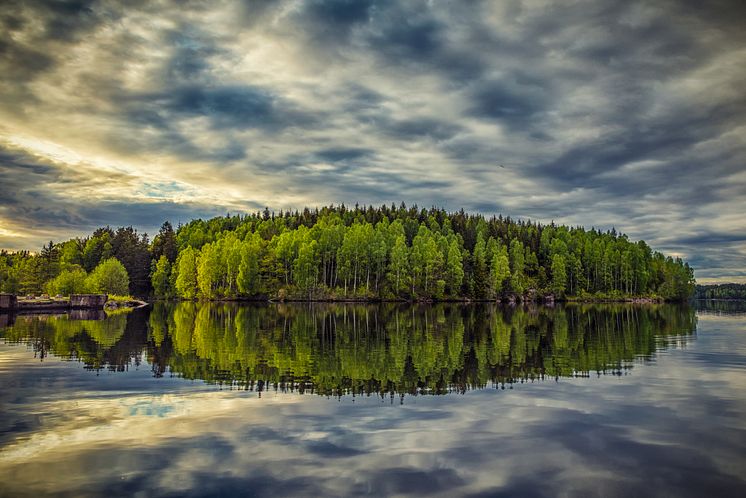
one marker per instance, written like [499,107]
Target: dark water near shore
[344,400]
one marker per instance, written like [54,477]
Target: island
[336,253]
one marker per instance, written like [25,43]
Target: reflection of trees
[96,343]
[335,349]
[721,307]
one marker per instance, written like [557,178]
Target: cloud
[619,114]
[43,198]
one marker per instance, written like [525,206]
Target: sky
[603,114]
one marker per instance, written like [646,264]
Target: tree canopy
[363,253]
[721,291]
[110,277]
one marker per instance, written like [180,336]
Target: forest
[360,253]
[721,291]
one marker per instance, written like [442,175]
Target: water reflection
[356,349]
[673,427]
[721,306]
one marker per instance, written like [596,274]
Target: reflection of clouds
[672,426]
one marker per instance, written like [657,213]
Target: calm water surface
[324,400]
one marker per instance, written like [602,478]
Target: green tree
[49,262]
[499,269]
[71,254]
[517,278]
[109,277]
[399,266]
[210,271]
[161,277]
[133,251]
[30,275]
[249,276]
[480,267]
[559,274]
[455,269]
[427,262]
[68,282]
[354,254]
[97,248]
[286,250]
[306,266]
[379,249]
[186,279]
[164,244]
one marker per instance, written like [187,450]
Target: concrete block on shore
[88,301]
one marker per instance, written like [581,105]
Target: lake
[205,399]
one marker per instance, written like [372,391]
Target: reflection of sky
[673,426]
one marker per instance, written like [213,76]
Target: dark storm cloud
[22,62]
[626,114]
[148,215]
[23,165]
[517,103]
[28,28]
[191,51]
[359,98]
[638,139]
[708,238]
[335,155]
[226,107]
[408,129]
[414,36]
[339,13]
[416,39]
[60,20]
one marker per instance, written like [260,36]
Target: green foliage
[721,291]
[161,278]
[499,270]
[120,298]
[365,252]
[132,250]
[559,274]
[69,282]
[306,266]
[186,280]
[210,271]
[110,277]
[427,263]
[164,244]
[249,276]
[517,261]
[479,276]
[399,266]
[454,269]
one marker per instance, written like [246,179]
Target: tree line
[721,291]
[109,261]
[363,252]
